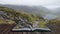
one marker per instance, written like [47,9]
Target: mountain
[39,10]
[56,11]
[11,16]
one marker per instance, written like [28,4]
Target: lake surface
[49,16]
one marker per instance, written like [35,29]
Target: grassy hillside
[54,25]
[10,16]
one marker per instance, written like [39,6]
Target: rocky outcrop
[21,18]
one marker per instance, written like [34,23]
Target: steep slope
[10,16]
[54,25]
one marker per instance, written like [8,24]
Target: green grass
[13,14]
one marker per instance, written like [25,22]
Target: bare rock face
[5,19]
[1,13]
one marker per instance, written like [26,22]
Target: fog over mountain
[56,11]
[31,9]
[38,10]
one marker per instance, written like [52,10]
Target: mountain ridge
[30,9]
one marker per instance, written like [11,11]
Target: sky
[45,3]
